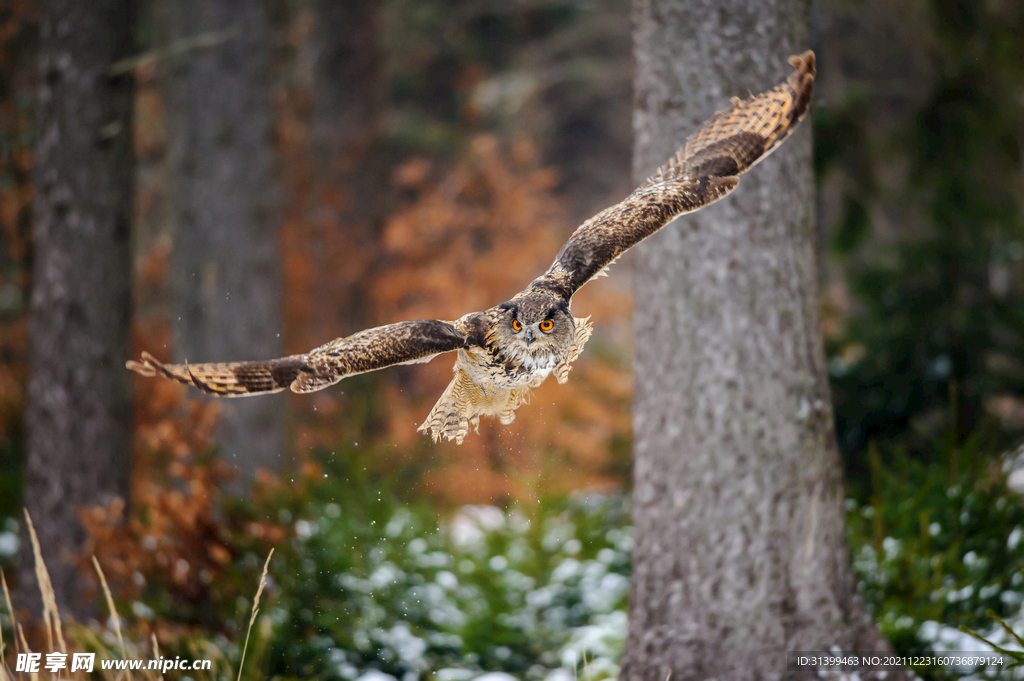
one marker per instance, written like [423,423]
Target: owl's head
[535,325]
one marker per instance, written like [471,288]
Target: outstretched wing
[384,346]
[703,171]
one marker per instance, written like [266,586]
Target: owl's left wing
[377,348]
[703,171]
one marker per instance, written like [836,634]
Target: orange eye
[547,325]
[516,326]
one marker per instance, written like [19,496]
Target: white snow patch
[374,675]
[471,523]
[453,674]
[495,676]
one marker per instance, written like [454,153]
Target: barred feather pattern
[705,170]
[227,379]
[383,346]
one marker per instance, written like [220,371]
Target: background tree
[79,413]
[225,210]
[336,167]
[740,544]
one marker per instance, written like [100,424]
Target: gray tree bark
[740,543]
[348,89]
[225,203]
[342,67]
[79,410]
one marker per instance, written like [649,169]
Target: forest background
[466,143]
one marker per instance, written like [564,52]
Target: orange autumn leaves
[472,238]
[175,535]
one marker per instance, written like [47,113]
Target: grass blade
[113,610]
[51,617]
[255,609]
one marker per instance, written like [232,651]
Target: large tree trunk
[79,411]
[740,547]
[225,211]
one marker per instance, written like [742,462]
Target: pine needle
[255,609]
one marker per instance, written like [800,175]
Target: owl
[504,352]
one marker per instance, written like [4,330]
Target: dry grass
[110,606]
[255,609]
[113,611]
[86,639]
[51,617]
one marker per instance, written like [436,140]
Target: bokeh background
[457,146]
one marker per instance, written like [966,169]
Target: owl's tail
[452,415]
[237,379]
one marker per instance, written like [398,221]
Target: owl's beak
[529,337]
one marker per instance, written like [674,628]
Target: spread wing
[383,346]
[703,171]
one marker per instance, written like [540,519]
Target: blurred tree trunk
[79,409]
[225,210]
[740,543]
[338,177]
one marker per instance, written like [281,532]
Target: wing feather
[704,170]
[377,348]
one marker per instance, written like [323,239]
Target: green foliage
[930,234]
[368,583]
[1015,656]
[938,545]
[362,581]
[939,292]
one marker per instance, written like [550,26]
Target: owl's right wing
[703,171]
[377,348]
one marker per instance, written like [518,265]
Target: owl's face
[535,326]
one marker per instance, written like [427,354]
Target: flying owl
[504,352]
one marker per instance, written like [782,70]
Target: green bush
[370,584]
[938,544]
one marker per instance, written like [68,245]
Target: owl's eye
[547,325]
[516,326]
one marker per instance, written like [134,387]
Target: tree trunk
[740,544]
[337,177]
[79,409]
[225,208]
